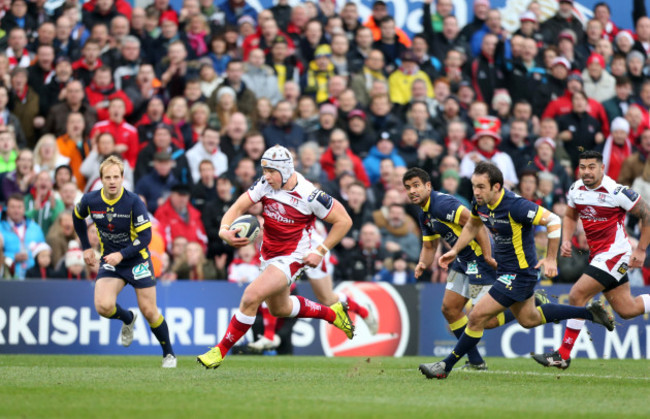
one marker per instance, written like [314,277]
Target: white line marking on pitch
[558,374]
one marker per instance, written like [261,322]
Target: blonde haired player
[124,231]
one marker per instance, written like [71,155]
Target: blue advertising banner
[58,317]
[408,13]
[630,339]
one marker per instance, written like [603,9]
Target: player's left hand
[313,259]
[550,267]
[637,258]
[114,258]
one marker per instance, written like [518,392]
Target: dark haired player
[124,232]
[510,218]
[601,204]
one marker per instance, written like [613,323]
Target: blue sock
[458,327]
[125,315]
[468,340]
[161,332]
[555,312]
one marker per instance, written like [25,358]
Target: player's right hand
[566,249]
[89,257]
[419,270]
[230,237]
[447,258]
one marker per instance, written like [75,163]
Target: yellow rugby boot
[343,320]
[211,359]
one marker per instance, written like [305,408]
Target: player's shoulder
[621,191]
[259,184]
[92,197]
[578,185]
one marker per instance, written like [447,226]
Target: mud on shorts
[459,283]
[291,266]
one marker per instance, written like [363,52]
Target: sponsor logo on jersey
[276,211]
[631,194]
[141,271]
[589,213]
[394,326]
[108,267]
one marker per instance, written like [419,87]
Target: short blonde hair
[111,161]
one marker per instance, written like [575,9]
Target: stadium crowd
[191,98]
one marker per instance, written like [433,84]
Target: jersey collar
[503,192]
[428,204]
[111,201]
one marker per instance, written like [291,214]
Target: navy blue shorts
[510,288]
[138,274]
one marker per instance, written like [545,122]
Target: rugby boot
[552,359]
[343,320]
[127,331]
[434,370]
[211,359]
[600,315]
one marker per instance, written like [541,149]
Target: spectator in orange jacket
[379,11]
[179,218]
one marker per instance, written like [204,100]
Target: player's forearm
[82,231]
[140,243]
[467,235]
[568,228]
[483,240]
[553,247]
[337,233]
[427,256]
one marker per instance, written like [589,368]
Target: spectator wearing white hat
[43,268]
[598,83]
[617,147]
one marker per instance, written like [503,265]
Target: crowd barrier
[58,317]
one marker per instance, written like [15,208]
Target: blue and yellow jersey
[511,221]
[118,221]
[439,218]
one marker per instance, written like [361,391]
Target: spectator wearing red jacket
[125,134]
[562,105]
[263,38]
[339,146]
[122,6]
[102,90]
[178,218]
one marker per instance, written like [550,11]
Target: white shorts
[291,266]
[605,262]
[459,283]
[321,271]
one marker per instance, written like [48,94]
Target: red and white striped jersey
[602,211]
[289,216]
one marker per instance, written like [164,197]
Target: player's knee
[251,298]
[449,311]
[576,298]
[529,322]
[104,308]
[150,313]
[626,311]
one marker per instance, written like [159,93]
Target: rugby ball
[250,227]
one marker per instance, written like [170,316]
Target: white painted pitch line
[557,374]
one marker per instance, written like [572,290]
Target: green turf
[253,386]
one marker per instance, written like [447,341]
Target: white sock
[575,324]
[296,306]
[342,297]
[242,318]
[646,302]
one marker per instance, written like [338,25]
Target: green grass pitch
[34,386]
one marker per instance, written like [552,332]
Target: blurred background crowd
[191,97]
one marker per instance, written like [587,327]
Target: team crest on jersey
[602,197]
[324,199]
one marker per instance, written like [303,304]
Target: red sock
[314,310]
[236,330]
[269,323]
[356,308]
[570,336]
